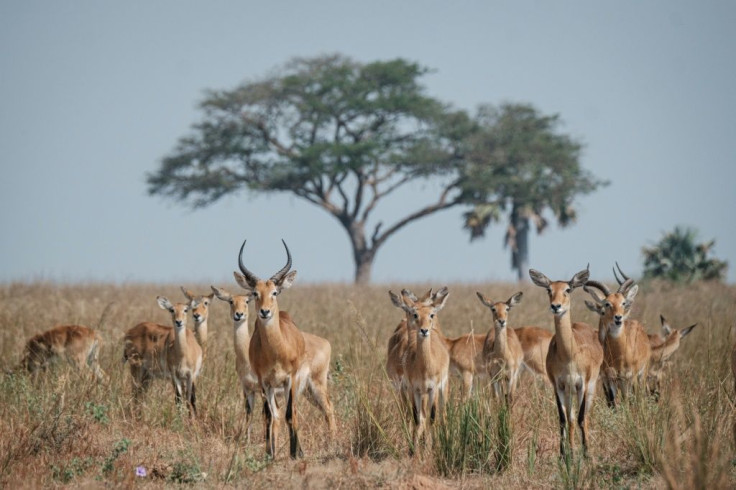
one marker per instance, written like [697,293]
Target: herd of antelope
[278,362]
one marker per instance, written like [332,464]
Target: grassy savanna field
[66,429]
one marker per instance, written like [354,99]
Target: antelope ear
[593,307]
[410,295]
[515,299]
[483,299]
[685,331]
[440,298]
[286,281]
[221,293]
[539,279]
[398,301]
[187,293]
[666,329]
[163,302]
[580,278]
[242,281]
[631,294]
[443,291]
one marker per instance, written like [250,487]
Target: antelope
[466,358]
[241,341]
[159,351]
[143,348]
[535,345]
[574,358]
[182,354]
[427,361]
[502,351]
[626,348]
[663,347]
[284,359]
[200,305]
[76,344]
[402,341]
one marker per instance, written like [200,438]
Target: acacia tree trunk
[364,250]
[363,267]
[363,254]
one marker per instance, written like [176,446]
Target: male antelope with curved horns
[626,348]
[284,359]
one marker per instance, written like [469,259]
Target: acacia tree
[520,166]
[339,134]
[678,257]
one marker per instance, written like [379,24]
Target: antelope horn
[623,284]
[598,286]
[624,276]
[249,276]
[280,274]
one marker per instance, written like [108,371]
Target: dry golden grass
[65,429]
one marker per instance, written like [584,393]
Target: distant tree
[339,134]
[677,257]
[521,165]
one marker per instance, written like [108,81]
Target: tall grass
[66,429]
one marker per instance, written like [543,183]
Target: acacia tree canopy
[340,134]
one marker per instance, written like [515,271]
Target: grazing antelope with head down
[76,344]
[626,349]
[427,360]
[663,347]
[284,359]
[574,357]
[241,341]
[143,348]
[502,351]
[200,305]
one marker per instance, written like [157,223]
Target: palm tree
[677,257]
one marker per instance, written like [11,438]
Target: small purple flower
[141,471]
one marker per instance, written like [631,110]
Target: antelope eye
[567,290]
[171,310]
[431,315]
[416,316]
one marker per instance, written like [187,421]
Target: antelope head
[500,310]
[421,314]
[178,311]
[199,304]
[559,291]
[238,303]
[265,292]
[613,307]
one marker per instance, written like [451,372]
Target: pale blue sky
[93,94]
